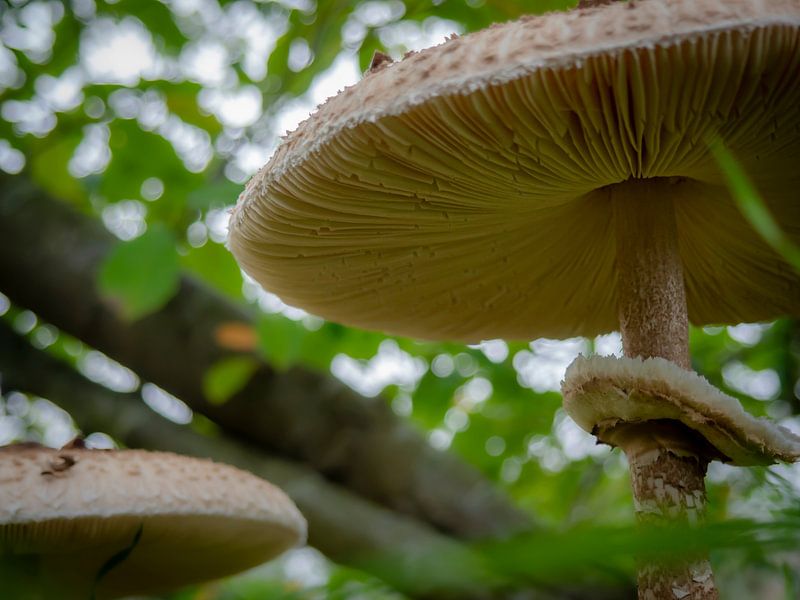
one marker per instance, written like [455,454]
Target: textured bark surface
[650,287]
[49,256]
[347,528]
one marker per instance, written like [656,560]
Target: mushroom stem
[668,466]
[650,290]
[667,462]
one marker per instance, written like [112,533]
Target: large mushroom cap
[460,193]
[183,520]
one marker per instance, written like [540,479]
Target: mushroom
[551,177]
[78,523]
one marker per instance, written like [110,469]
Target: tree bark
[49,256]
[407,554]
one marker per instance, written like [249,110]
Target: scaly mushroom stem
[668,466]
[667,463]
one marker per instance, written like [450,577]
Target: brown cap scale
[552,177]
[128,522]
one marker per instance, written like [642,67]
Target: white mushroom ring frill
[608,390]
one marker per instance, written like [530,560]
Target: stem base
[667,464]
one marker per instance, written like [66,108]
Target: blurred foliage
[227,377]
[159,142]
[142,274]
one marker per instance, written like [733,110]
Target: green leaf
[227,377]
[356,343]
[49,168]
[753,207]
[137,155]
[215,265]
[65,48]
[211,195]
[140,276]
[155,16]
[280,340]
[181,100]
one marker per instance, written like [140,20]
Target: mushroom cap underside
[606,391]
[183,520]
[463,192]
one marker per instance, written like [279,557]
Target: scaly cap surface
[199,520]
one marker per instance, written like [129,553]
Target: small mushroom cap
[461,193]
[195,519]
[607,391]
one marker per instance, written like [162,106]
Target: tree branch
[49,255]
